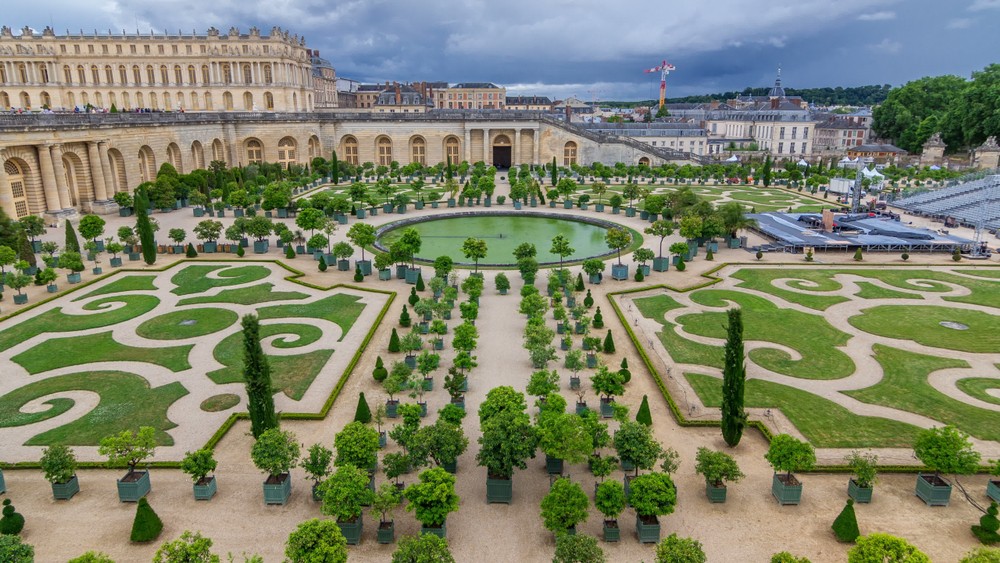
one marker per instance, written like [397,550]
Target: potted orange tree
[275,453]
[864,466]
[717,468]
[564,507]
[317,467]
[385,500]
[59,466]
[127,449]
[610,500]
[432,499]
[788,454]
[197,465]
[344,494]
[651,495]
[945,450]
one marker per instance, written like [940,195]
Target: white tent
[872,173]
[733,158]
[802,163]
[935,167]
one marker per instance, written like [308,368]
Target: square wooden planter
[607,407]
[715,494]
[859,494]
[661,264]
[647,532]
[786,494]
[385,275]
[352,530]
[65,491]
[450,467]
[386,532]
[553,465]
[439,531]
[934,494]
[365,265]
[612,533]
[132,491]
[390,409]
[499,490]
[205,489]
[619,272]
[412,274]
[993,490]
[278,493]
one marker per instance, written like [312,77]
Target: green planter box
[619,271]
[315,493]
[581,408]
[116,262]
[410,361]
[3,483]
[237,213]
[630,212]
[439,531]
[385,275]
[647,532]
[517,205]
[931,493]
[52,288]
[434,205]
[568,204]
[65,491]
[282,213]
[122,212]
[386,532]
[412,274]
[644,215]
[352,530]
[361,213]
[401,272]
[206,490]
[786,494]
[993,490]
[553,465]
[279,492]
[387,207]
[390,409]
[607,405]
[499,490]
[591,364]
[382,439]
[132,491]
[344,265]
[365,265]
[715,494]
[661,264]
[859,494]
[20,299]
[198,212]
[533,202]
[616,210]
[596,278]
[627,465]
[418,205]
[599,207]
[451,202]
[134,256]
[612,533]
[261,246]
[73,278]
[645,269]
[342,219]
[439,344]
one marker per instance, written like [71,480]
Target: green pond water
[502,234]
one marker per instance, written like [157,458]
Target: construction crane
[664,69]
[594,93]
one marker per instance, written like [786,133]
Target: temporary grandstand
[974,203]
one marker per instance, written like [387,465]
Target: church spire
[777,91]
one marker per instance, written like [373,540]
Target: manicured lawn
[193,279]
[169,327]
[291,375]
[126,283]
[76,350]
[218,403]
[341,309]
[977,386]
[808,334]
[761,280]
[656,306]
[55,320]
[872,291]
[921,324]
[992,274]
[248,296]
[824,423]
[904,386]
[681,350]
[127,402]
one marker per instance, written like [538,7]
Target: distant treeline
[856,96]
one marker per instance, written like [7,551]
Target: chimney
[399,97]
[714,104]
[774,103]
[569,113]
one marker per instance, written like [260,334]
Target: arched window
[44,68]
[46,100]
[174,157]
[569,154]
[314,150]
[25,100]
[126,103]
[247,75]
[255,152]
[206,76]
[111,99]
[286,152]
[451,150]
[22,73]
[268,100]
[69,173]
[152,100]
[247,101]
[4,101]
[418,151]
[227,101]
[99,100]
[16,179]
[3,74]
[218,153]
[164,76]
[147,164]
[81,75]
[644,161]
[192,76]
[71,98]
[136,75]
[150,75]
[351,151]
[178,75]
[166,100]
[67,74]
[119,182]
[122,75]
[180,100]
[384,151]
[139,102]
[109,74]
[227,74]
[208,101]
[267,74]
[295,101]
[84,98]
[95,74]
[198,154]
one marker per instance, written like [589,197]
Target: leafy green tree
[679,550]
[564,506]
[316,541]
[474,249]
[88,557]
[785,557]
[634,442]
[275,452]
[906,107]
[616,239]
[717,467]
[143,227]
[507,440]
[789,454]
[734,418]
[126,449]
[946,450]
[442,442]
[982,555]
[562,249]
[71,243]
[564,436]
[433,498]
[425,548]
[525,250]
[257,379]
[652,495]
[362,235]
[13,551]
[189,548]
[345,493]
[317,463]
[356,445]
[883,548]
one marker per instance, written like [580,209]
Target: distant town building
[324,81]
[685,137]
[402,98]
[471,95]
[883,154]
[987,155]
[529,103]
[839,132]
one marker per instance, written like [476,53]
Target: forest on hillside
[851,96]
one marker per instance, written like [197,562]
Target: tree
[978,555]
[564,506]
[433,498]
[58,463]
[33,226]
[609,345]
[846,524]
[88,557]
[71,243]
[425,548]
[616,239]
[143,227]
[607,382]
[310,219]
[345,492]
[316,541]
[208,230]
[356,445]
[717,467]
[679,550]
[528,267]
[734,418]
[361,235]
[766,174]
[507,440]
[91,227]
[543,382]
[190,548]
[257,379]
[442,442]
[946,450]
[363,414]
[126,449]
[634,442]
[474,249]
[883,548]
[147,525]
[562,249]
[907,107]
[12,521]
[334,168]
[555,171]
[525,250]
[652,495]
[785,557]
[733,218]
[275,452]
[579,548]
[198,464]
[13,551]
[610,496]
[789,454]
[564,436]
[411,244]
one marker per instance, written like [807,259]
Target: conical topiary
[289,252]
[846,525]
[420,282]
[394,342]
[191,252]
[363,414]
[709,255]
[71,244]
[241,253]
[358,276]
[609,344]
[579,282]
[598,318]
[404,318]
[12,522]
[380,373]
[147,525]
[588,301]
[643,415]
[625,372]
[857,255]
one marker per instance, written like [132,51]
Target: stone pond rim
[383,229]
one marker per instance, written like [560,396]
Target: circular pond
[503,233]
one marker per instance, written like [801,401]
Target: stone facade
[211,72]
[933,153]
[62,164]
[987,155]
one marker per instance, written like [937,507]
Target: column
[6,196]
[487,148]
[48,179]
[96,172]
[516,158]
[109,183]
[468,145]
[535,148]
[60,173]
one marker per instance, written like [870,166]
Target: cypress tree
[393,345]
[191,252]
[72,244]
[420,282]
[447,173]
[555,172]
[767,171]
[147,525]
[362,414]
[846,524]
[334,169]
[734,374]
[144,228]
[257,377]
[643,416]
[26,252]
[609,344]
[626,374]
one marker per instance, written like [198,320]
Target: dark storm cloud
[563,47]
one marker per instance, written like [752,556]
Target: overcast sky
[570,47]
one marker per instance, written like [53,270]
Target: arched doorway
[16,177]
[255,152]
[569,154]
[351,151]
[286,152]
[70,174]
[451,147]
[418,151]
[198,154]
[118,178]
[501,151]
[644,161]
[147,164]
